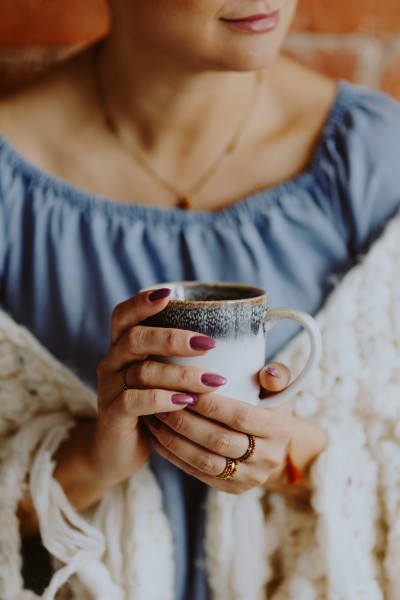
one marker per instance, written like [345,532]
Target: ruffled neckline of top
[247,206]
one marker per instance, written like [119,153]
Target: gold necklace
[184,200]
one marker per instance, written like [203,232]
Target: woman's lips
[256,23]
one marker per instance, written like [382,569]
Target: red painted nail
[202,343]
[159,294]
[212,379]
[273,371]
[184,398]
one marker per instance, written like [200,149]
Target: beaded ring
[230,469]
[250,450]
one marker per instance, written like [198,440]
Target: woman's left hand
[199,439]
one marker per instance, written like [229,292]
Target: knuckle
[172,339]
[152,400]
[210,408]
[245,418]
[170,442]
[205,463]
[180,422]
[135,337]
[220,442]
[184,376]
[123,402]
[144,373]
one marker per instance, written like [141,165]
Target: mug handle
[309,324]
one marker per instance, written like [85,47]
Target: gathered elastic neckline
[248,205]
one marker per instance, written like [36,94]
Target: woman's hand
[199,439]
[100,453]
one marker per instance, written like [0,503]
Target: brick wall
[352,39]
[357,40]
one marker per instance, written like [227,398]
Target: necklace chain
[184,200]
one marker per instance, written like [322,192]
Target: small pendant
[184,202]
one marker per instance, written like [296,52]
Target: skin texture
[178,78]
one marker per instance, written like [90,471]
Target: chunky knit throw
[345,546]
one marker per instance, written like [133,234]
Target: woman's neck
[161,106]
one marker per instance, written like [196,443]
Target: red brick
[346,16]
[54,22]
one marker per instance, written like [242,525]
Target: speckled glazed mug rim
[261,296]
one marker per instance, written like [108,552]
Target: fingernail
[159,294]
[212,379]
[184,398]
[162,415]
[273,371]
[152,424]
[202,343]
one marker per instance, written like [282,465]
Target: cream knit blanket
[345,547]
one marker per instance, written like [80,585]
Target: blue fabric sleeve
[361,169]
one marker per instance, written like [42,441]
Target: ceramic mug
[237,317]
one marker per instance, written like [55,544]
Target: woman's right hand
[100,453]
[120,444]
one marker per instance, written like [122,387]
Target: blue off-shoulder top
[67,257]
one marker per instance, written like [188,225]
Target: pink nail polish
[159,294]
[273,371]
[161,415]
[212,379]
[184,398]
[202,343]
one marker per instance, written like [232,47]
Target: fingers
[206,465]
[238,415]
[130,404]
[148,374]
[139,342]
[274,377]
[226,423]
[214,437]
[246,418]
[136,309]
[200,438]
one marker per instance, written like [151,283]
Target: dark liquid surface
[211,293]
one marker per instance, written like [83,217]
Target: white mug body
[237,317]
[238,360]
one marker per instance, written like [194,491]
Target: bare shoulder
[308,96]
[32,117]
[297,105]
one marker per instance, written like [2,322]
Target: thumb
[274,377]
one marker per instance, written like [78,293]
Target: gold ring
[230,469]
[124,384]
[250,450]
